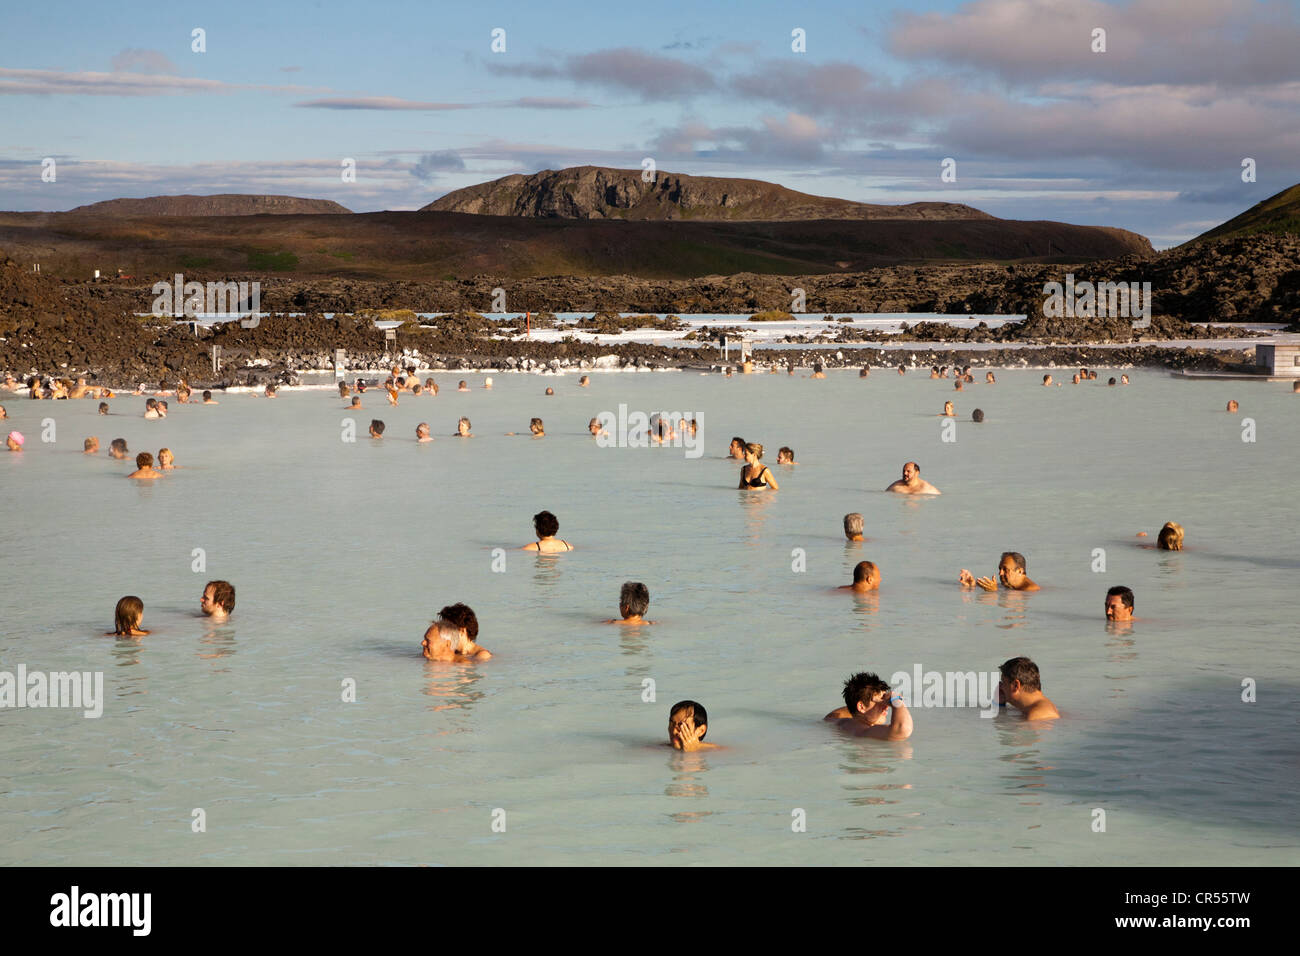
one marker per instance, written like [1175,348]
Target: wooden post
[216,359]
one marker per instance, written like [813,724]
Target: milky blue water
[343,551]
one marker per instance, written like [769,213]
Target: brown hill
[599,192]
[1278,214]
[225,204]
[439,245]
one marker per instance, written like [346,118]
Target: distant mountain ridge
[223,204]
[601,192]
[1278,214]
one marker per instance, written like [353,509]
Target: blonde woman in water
[755,474]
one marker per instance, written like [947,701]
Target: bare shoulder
[839,713]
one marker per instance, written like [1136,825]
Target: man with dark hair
[688,722]
[218,600]
[867,704]
[977,415]
[1119,603]
[1022,688]
[463,618]
[376,428]
[208,399]
[1011,572]
[118,448]
[633,601]
[866,577]
[912,483]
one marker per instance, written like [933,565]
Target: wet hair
[853,523]
[785,451]
[463,384]
[536,425]
[594,421]
[206,395]
[546,524]
[144,460]
[1046,377]
[417,389]
[377,425]
[698,712]
[103,406]
[119,445]
[356,401]
[755,449]
[1023,670]
[1111,382]
[977,415]
[633,599]
[223,594]
[1017,559]
[423,426]
[127,614]
[151,403]
[862,571]
[270,390]
[862,687]
[864,372]
[737,440]
[1125,594]
[343,390]
[817,368]
[1170,537]
[90,443]
[461,616]
[465,420]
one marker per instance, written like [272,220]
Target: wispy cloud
[87,83]
[626,70]
[143,61]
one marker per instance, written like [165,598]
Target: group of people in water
[870,709]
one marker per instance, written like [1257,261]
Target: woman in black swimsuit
[755,474]
[547,525]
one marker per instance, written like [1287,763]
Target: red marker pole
[528,324]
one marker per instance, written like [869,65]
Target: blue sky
[1148,136]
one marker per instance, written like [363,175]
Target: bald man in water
[912,483]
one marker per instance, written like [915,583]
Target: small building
[1281,360]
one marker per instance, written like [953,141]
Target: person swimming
[912,483]
[463,618]
[1022,688]
[151,409]
[1119,603]
[217,600]
[872,709]
[14,440]
[1170,537]
[866,577]
[463,386]
[818,371]
[989,379]
[1232,405]
[166,460]
[422,432]
[1011,572]
[144,467]
[103,408]
[584,382]
[977,415]
[537,428]
[754,474]
[90,446]
[463,429]
[376,428]
[126,618]
[117,448]
[595,427]
[547,525]
[949,410]
[736,449]
[688,722]
[853,526]
[269,391]
[633,602]
[208,399]
[1047,380]
[785,455]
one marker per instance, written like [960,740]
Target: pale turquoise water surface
[341,553]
